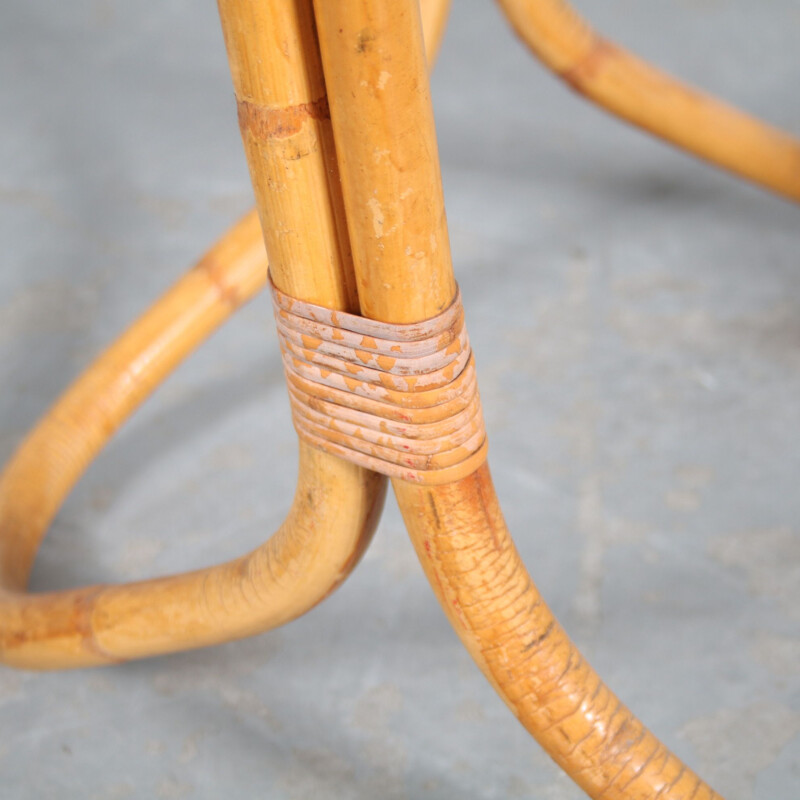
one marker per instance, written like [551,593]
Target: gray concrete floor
[652,349]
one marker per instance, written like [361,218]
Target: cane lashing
[398,399]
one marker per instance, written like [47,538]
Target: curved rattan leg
[404,274]
[314,550]
[334,513]
[470,559]
[632,89]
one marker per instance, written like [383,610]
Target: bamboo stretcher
[337,124]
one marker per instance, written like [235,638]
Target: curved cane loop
[644,96]
[335,510]
[458,528]
[302,563]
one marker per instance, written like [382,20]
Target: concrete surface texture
[641,391]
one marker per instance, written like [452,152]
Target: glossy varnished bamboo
[637,92]
[374,69]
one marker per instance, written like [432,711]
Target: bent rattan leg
[315,549]
[632,89]
[334,513]
[380,104]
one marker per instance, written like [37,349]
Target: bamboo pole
[434,14]
[390,180]
[644,96]
[313,551]
[383,124]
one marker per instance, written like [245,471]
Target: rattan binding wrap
[398,399]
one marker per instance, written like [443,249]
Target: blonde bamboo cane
[637,92]
[314,550]
[383,124]
[434,14]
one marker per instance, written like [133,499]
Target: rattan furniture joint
[336,119]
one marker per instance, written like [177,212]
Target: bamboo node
[272,122]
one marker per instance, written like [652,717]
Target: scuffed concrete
[735,745]
[769,561]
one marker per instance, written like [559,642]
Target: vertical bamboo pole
[383,124]
[286,131]
[285,125]
[434,15]
[380,96]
